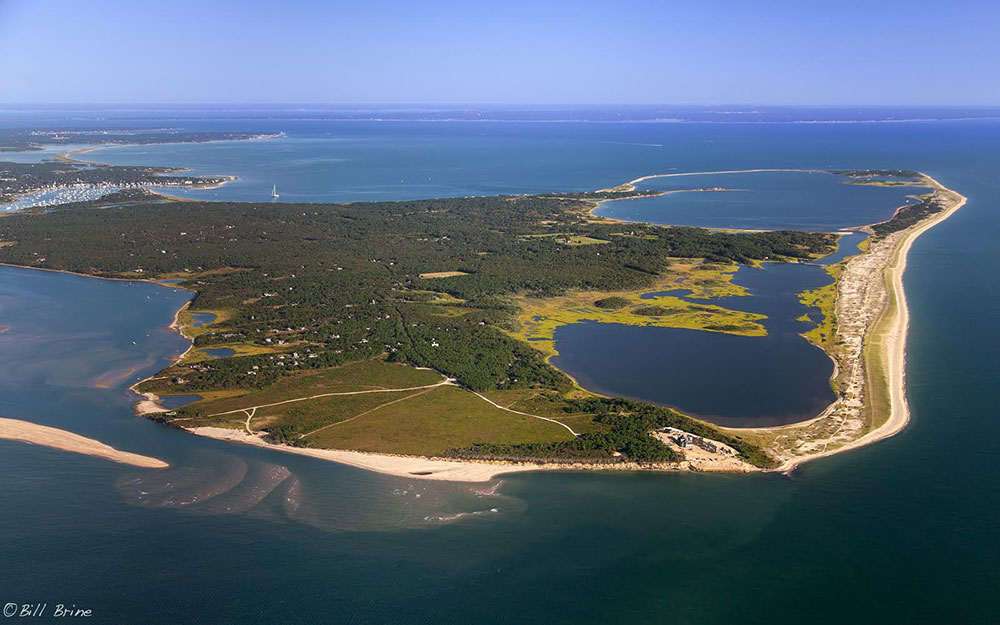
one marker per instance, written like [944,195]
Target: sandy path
[534,416]
[27,432]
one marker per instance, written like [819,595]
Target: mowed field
[377,406]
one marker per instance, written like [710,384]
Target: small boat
[274,192]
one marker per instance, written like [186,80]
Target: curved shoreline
[893,352]
[892,355]
[416,467]
[55,438]
[630,185]
[70,157]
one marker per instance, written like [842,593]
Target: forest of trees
[325,284]
[908,215]
[343,281]
[624,437]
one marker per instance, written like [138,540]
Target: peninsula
[67,173]
[413,337]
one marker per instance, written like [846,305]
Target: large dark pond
[729,380]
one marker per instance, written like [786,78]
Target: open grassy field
[378,406]
[363,375]
[431,422]
[567,238]
[546,403]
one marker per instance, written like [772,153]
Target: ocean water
[902,531]
[346,161]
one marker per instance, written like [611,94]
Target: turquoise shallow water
[902,531]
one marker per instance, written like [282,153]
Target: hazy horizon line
[501,104]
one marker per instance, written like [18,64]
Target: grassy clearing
[432,422]
[418,421]
[356,376]
[567,238]
[442,274]
[583,240]
[545,403]
[295,421]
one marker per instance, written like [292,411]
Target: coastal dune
[886,336]
[27,432]
[404,466]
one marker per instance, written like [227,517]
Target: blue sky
[508,52]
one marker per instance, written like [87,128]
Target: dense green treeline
[908,215]
[625,437]
[310,286]
[341,282]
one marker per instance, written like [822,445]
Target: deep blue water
[763,201]
[738,381]
[904,531]
[847,245]
[339,161]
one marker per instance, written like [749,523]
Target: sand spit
[630,185]
[71,155]
[27,432]
[871,303]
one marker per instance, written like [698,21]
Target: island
[22,140]
[414,337]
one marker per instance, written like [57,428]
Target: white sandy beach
[27,432]
[893,351]
[403,466]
